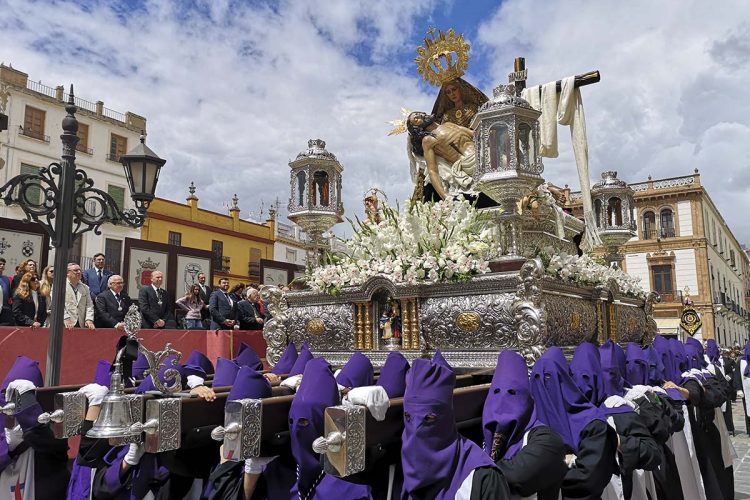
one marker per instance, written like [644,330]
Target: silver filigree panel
[631,323]
[438,317]
[338,321]
[570,321]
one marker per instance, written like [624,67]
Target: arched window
[666,220]
[649,225]
[300,188]
[614,212]
[598,212]
[321,187]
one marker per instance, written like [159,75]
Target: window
[291,255]
[33,123]
[614,212]
[301,188]
[667,223]
[598,212]
[321,188]
[118,146]
[113,253]
[217,249]
[663,279]
[33,195]
[118,194]
[254,266]
[175,238]
[83,138]
[649,225]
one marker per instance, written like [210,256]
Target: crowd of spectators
[95,298]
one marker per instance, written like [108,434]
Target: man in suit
[223,308]
[6,316]
[206,292]
[111,305]
[97,277]
[156,308]
[79,307]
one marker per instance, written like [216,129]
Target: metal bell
[115,419]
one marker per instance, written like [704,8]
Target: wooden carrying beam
[351,432]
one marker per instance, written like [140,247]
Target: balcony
[667,232]
[81,148]
[649,234]
[34,134]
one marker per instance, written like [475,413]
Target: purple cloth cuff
[28,418]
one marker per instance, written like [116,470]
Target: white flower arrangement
[424,242]
[585,270]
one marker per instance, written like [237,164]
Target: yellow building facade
[237,245]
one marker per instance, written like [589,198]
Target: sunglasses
[34,280]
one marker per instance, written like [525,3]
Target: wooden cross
[518,77]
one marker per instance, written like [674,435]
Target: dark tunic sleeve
[227,481]
[91,451]
[673,410]
[654,416]
[51,473]
[638,449]
[595,462]
[489,484]
[537,467]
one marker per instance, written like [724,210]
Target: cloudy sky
[233,90]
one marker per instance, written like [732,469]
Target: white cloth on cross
[566,109]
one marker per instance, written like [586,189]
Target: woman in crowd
[237,292]
[26,266]
[192,305]
[29,305]
[45,289]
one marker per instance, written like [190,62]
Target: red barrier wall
[83,348]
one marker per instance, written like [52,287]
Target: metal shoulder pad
[241,434]
[343,446]
[67,419]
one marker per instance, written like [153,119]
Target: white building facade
[32,141]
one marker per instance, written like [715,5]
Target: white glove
[256,465]
[637,391]
[135,452]
[194,381]
[13,437]
[616,402]
[94,393]
[292,382]
[21,386]
[740,394]
[570,461]
[373,397]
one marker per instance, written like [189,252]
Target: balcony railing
[83,149]
[115,158]
[34,134]
[649,234]
[667,232]
[667,296]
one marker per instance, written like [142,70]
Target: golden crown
[443,58]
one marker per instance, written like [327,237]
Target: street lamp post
[70,205]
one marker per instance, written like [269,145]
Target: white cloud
[233,91]
[673,91]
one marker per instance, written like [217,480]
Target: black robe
[637,450]
[595,462]
[51,475]
[539,467]
[718,481]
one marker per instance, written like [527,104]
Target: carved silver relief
[529,315]
[339,326]
[274,331]
[438,319]
[631,324]
[570,320]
